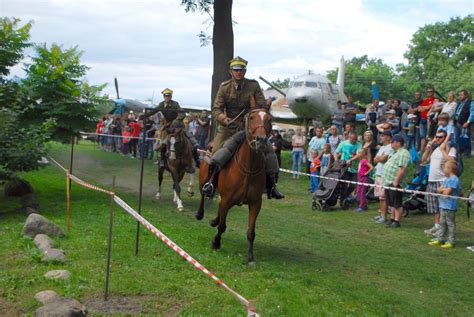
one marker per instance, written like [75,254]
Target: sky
[152,45]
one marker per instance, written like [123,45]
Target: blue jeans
[202,141]
[297,158]
[314,182]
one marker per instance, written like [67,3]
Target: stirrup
[208,189]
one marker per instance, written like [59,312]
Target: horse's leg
[161,170]
[200,211]
[223,210]
[177,190]
[254,210]
[191,184]
[214,222]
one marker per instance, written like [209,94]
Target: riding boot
[208,187]
[272,191]
[196,156]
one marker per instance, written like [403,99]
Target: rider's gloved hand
[227,121]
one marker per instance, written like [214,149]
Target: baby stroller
[419,182]
[330,190]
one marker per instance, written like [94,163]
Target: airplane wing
[283,115]
[195,108]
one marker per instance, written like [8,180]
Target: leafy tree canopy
[441,55]
[55,81]
[13,40]
[359,74]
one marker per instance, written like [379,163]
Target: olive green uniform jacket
[234,99]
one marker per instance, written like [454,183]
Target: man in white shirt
[436,154]
[382,156]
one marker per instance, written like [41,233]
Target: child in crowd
[448,207]
[409,128]
[365,167]
[126,134]
[443,124]
[326,158]
[371,117]
[314,169]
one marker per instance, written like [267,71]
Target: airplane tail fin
[340,77]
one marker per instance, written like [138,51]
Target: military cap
[238,63]
[167,91]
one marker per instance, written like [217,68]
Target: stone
[46,296]
[17,187]
[43,242]
[53,255]
[36,224]
[62,307]
[57,275]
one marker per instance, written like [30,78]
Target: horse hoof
[199,215]
[180,208]
[252,262]
[214,222]
[215,246]
[158,196]
[190,193]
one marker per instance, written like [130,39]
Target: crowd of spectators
[428,131]
[124,133]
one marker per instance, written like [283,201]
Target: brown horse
[242,179]
[179,161]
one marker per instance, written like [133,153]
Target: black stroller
[330,190]
[419,182]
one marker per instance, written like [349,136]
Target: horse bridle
[248,133]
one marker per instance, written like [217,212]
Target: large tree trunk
[222,44]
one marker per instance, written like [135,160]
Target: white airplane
[309,96]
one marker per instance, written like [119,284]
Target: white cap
[276,128]
[411,116]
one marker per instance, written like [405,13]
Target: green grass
[308,263]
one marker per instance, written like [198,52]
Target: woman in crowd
[297,142]
[334,138]
[370,144]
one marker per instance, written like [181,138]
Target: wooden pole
[68,201]
[109,246]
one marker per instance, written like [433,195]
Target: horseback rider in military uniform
[172,119]
[235,98]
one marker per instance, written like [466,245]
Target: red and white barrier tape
[418,192]
[184,254]
[57,164]
[119,136]
[250,307]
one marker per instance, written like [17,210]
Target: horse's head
[258,125]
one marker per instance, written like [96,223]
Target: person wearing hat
[410,127]
[235,98]
[393,173]
[172,118]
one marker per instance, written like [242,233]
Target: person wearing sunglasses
[437,154]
